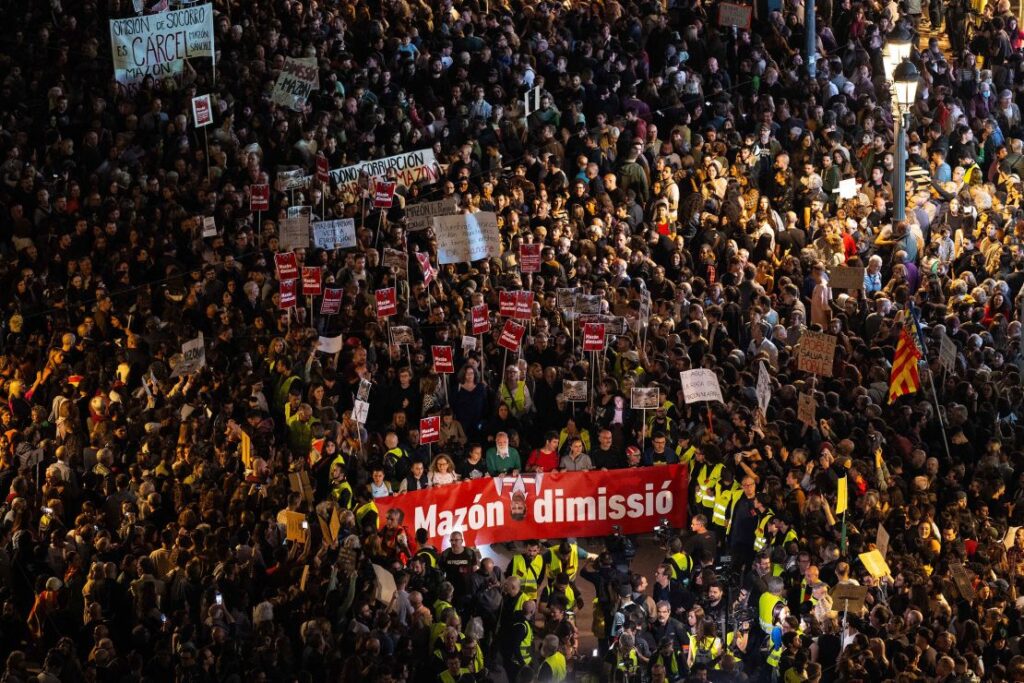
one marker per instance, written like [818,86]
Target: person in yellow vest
[771,606]
[454,671]
[685,450]
[706,474]
[367,515]
[553,668]
[515,394]
[622,663]
[445,595]
[517,646]
[564,557]
[680,563]
[669,659]
[341,490]
[447,645]
[424,550]
[765,516]
[727,492]
[529,567]
[561,588]
[781,533]
[705,645]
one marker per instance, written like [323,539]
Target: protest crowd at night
[511,341]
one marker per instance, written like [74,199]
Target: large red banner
[549,505]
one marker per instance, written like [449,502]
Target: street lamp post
[903,77]
[812,37]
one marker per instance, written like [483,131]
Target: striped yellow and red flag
[905,378]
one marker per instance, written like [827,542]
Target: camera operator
[606,579]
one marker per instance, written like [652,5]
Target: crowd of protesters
[143,528]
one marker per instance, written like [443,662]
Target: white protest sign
[405,169]
[574,390]
[157,45]
[209,226]
[467,237]
[700,385]
[764,389]
[330,345]
[531,101]
[421,216]
[468,343]
[846,277]
[293,233]
[848,188]
[947,353]
[360,409]
[817,351]
[298,79]
[193,356]
[644,398]
[336,234]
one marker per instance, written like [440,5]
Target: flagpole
[938,411]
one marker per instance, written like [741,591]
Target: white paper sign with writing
[764,389]
[157,45]
[336,234]
[298,79]
[467,237]
[421,216]
[701,385]
[294,233]
[330,344]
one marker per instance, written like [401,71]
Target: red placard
[287,266]
[524,305]
[323,171]
[507,304]
[430,429]
[429,272]
[387,302]
[312,282]
[480,319]
[444,361]
[529,258]
[259,197]
[287,289]
[511,508]
[511,335]
[383,194]
[331,305]
[202,111]
[593,337]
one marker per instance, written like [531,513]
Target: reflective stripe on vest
[555,563]
[529,574]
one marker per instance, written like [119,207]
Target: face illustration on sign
[518,489]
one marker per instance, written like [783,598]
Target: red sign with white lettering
[287,266]
[331,305]
[430,429]
[593,337]
[529,258]
[507,304]
[524,305]
[444,361]
[480,319]
[387,302]
[259,197]
[312,284]
[511,335]
[287,290]
[323,171]
[383,194]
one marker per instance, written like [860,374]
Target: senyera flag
[550,505]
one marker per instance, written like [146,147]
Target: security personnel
[518,645]
[425,551]
[514,394]
[670,658]
[367,515]
[454,671]
[445,595]
[766,515]
[771,606]
[623,663]
[706,475]
[685,451]
[562,588]
[341,490]
[553,669]
[564,557]
[680,563]
[727,492]
[529,567]
[782,533]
